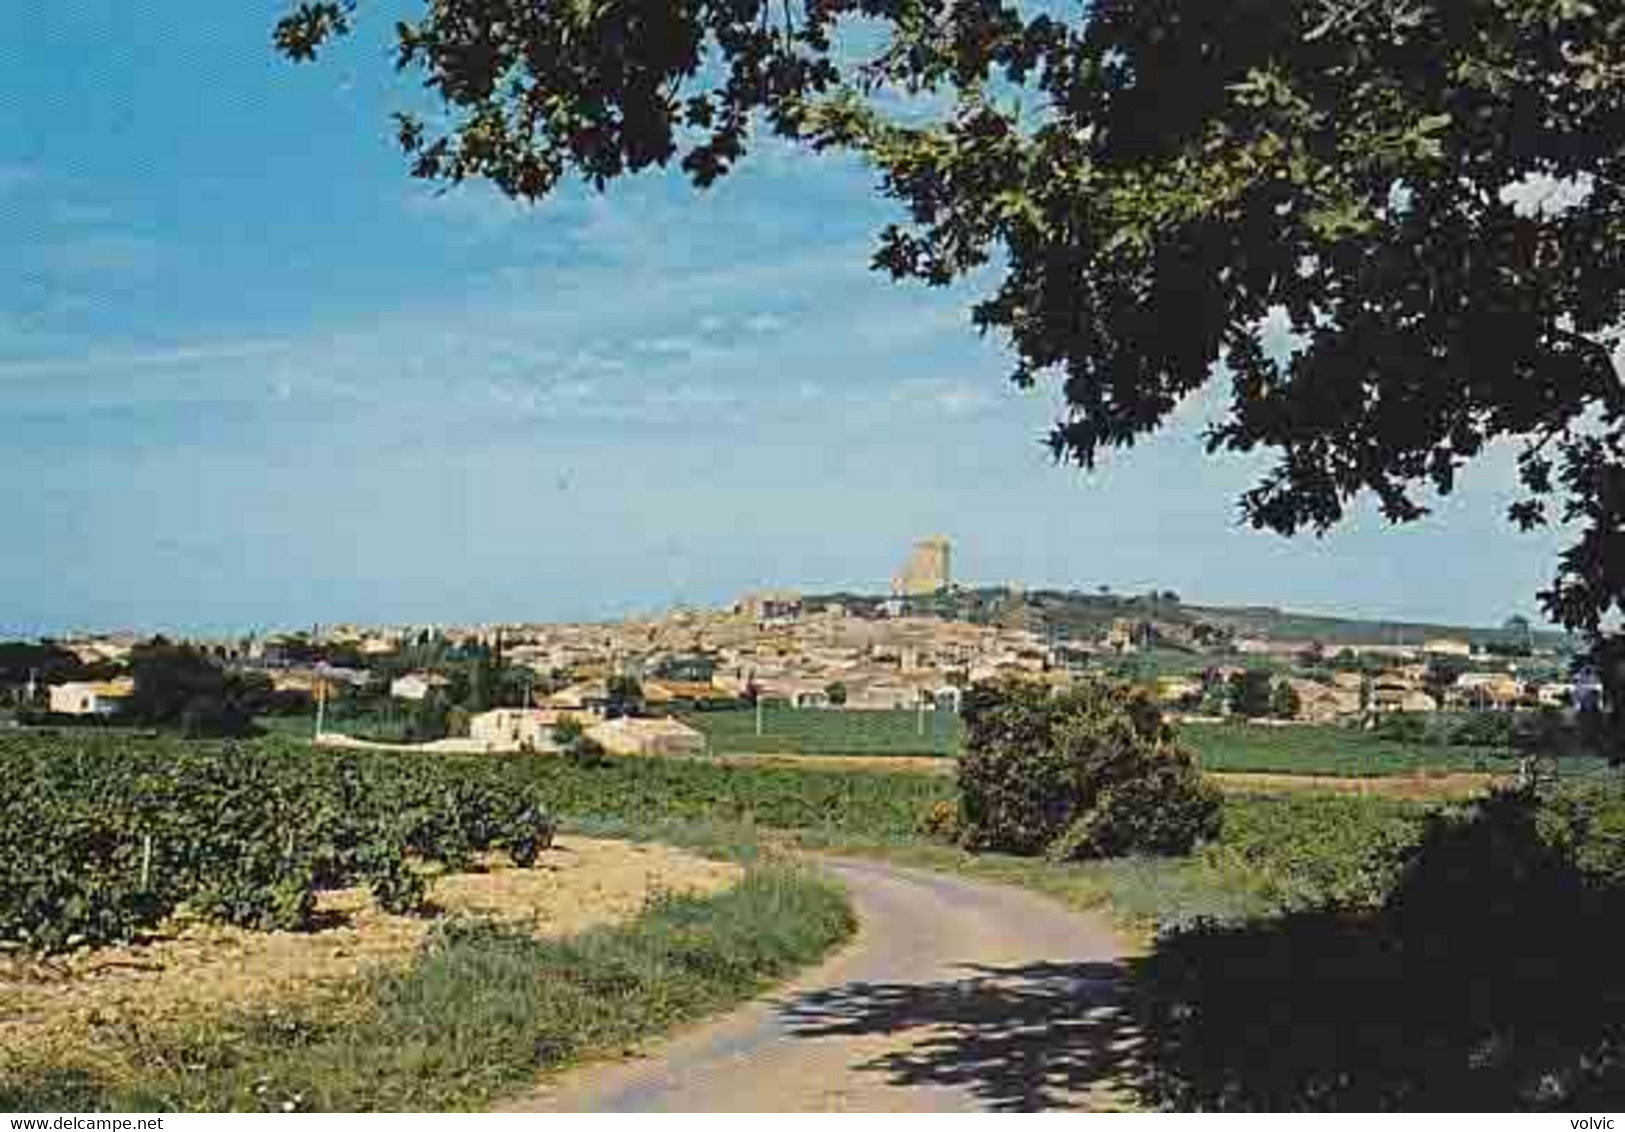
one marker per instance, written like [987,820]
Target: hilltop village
[915,649]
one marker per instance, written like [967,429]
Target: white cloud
[951,397]
[101,363]
[765,323]
[476,204]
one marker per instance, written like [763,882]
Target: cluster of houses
[771,648]
[587,703]
[1403,680]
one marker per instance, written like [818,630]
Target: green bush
[1316,851]
[1513,866]
[529,832]
[586,752]
[1250,694]
[1588,824]
[1485,729]
[1407,727]
[1090,772]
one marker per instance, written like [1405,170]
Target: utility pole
[321,705]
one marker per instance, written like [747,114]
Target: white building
[1444,646]
[514,729]
[101,697]
[416,685]
[647,737]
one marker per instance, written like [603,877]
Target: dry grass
[1416,788]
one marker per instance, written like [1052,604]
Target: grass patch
[1274,854]
[1326,750]
[478,1014]
[819,731]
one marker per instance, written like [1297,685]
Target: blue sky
[252,375]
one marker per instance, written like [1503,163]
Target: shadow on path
[1019,1038]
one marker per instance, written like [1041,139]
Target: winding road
[955,996]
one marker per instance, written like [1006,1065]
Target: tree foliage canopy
[1395,227]
[1091,772]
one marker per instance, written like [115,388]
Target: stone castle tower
[927,571]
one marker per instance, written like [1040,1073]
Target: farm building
[98,697]
[1494,691]
[647,737]
[514,729]
[1325,703]
[1396,695]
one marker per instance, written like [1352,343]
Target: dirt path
[1426,788]
[956,996]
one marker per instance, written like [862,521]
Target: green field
[1241,747]
[1233,747]
[814,731]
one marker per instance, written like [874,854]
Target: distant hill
[1289,625]
[1076,615]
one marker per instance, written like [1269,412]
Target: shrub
[587,753]
[1588,824]
[206,717]
[1512,868]
[1249,694]
[941,821]
[530,832]
[1485,729]
[1285,703]
[1090,772]
[396,886]
[1402,727]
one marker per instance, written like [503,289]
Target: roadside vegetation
[479,1012]
[1272,854]
[1356,953]
[1325,953]
[1468,964]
